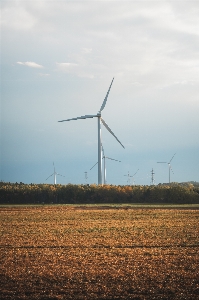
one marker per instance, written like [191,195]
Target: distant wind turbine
[104,158]
[169,164]
[55,174]
[128,180]
[99,118]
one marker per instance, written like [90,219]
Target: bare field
[66,252]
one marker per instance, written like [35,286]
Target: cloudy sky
[57,62]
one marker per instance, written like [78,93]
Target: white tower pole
[54,176]
[104,170]
[99,152]
[104,174]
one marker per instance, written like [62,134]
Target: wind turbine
[54,173]
[131,176]
[104,158]
[169,164]
[99,119]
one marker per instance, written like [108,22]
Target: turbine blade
[82,117]
[94,165]
[105,125]
[113,159]
[105,99]
[162,162]
[171,169]
[172,157]
[135,173]
[50,176]
[102,151]
[60,175]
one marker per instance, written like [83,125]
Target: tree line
[20,193]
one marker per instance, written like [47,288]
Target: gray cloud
[30,64]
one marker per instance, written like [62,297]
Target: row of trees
[19,193]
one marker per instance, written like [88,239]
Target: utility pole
[86,177]
[152,177]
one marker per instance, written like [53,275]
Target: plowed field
[64,252]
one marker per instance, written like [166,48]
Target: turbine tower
[99,120]
[55,174]
[169,164]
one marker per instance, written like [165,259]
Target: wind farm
[100,149]
[151,107]
[129,161]
[111,85]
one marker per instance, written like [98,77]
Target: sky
[58,59]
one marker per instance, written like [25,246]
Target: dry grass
[64,252]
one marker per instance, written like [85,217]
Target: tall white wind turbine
[169,164]
[134,175]
[99,119]
[55,175]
